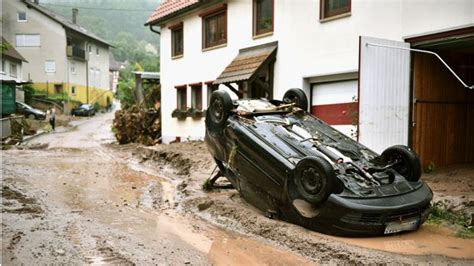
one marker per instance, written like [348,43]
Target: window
[73,90]
[97,77]
[331,8]
[21,16]
[215,28]
[50,66]
[89,48]
[28,40]
[73,68]
[181,97]
[262,16]
[3,66]
[196,97]
[97,50]
[58,88]
[177,40]
[13,70]
[94,77]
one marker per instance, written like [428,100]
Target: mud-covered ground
[432,243]
[75,197]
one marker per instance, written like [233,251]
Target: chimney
[75,11]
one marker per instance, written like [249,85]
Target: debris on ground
[19,127]
[137,124]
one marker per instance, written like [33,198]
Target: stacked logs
[137,125]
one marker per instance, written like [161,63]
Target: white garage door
[335,103]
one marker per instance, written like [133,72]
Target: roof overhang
[170,9]
[248,63]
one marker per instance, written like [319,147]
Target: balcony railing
[76,52]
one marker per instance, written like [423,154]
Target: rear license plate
[404,225]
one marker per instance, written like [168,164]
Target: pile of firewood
[138,125]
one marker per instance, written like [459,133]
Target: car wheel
[31,116]
[408,164]
[315,179]
[220,105]
[296,96]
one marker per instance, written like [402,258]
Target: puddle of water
[428,240]
[172,224]
[231,250]
[223,248]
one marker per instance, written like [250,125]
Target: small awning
[247,63]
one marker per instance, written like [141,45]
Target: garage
[408,96]
[334,100]
[442,130]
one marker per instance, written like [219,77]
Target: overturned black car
[293,166]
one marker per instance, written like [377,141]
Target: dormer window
[21,16]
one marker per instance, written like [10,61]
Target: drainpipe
[155,31]
[87,75]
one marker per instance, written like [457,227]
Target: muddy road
[73,196]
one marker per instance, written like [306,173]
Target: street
[73,196]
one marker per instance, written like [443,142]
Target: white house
[63,57]
[350,57]
[12,60]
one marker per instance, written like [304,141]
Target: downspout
[153,30]
[87,74]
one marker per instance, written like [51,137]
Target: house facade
[64,59]
[352,59]
[10,78]
[12,62]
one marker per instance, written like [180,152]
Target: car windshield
[85,106]
[24,105]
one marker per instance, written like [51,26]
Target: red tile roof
[168,7]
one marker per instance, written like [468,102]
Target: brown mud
[434,243]
[74,197]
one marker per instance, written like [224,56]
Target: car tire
[409,165]
[315,179]
[296,96]
[220,105]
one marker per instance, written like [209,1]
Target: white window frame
[13,66]
[97,77]
[50,66]
[73,68]
[27,40]
[3,70]
[18,16]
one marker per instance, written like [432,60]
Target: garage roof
[247,63]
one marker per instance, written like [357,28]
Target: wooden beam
[233,89]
